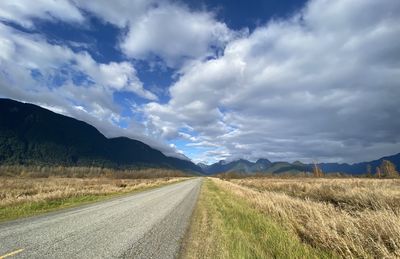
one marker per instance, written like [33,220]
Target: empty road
[150,224]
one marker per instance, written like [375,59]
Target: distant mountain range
[265,166]
[260,166]
[359,168]
[32,135]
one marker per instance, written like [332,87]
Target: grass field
[345,194]
[357,218]
[296,218]
[21,197]
[85,172]
[225,225]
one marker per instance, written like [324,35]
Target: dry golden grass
[348,194]
[22,190]
[27,196]
[30,190]
[366,225]
[85,172]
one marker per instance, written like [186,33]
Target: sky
[214,80]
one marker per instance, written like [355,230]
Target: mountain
[265,166]
[359,168]
[32,135]
[235,166]
[202,166]
[262,165]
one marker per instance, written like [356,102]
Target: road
[149,224]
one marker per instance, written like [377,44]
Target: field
[225,225]
[297,218]
[85,172]
[29,191]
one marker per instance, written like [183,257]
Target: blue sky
[212,80]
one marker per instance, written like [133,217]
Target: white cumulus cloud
[323,84]
[22,12]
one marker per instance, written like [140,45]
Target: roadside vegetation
[350,195]
[85,172]
[354,218]
[226,225]
[27,191]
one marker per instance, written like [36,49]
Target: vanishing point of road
[150,224]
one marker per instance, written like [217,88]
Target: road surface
[149,224]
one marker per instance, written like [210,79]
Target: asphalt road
[149,224]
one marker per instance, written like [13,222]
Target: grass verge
[72,195]
[226,226]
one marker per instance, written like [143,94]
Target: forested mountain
[32,135]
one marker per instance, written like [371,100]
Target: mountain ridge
[30,134]
[295,167]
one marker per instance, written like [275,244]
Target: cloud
[119,13]
[22,12]
[183,35]
[322,85]
[31,52]
[74,84]
[167,30]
